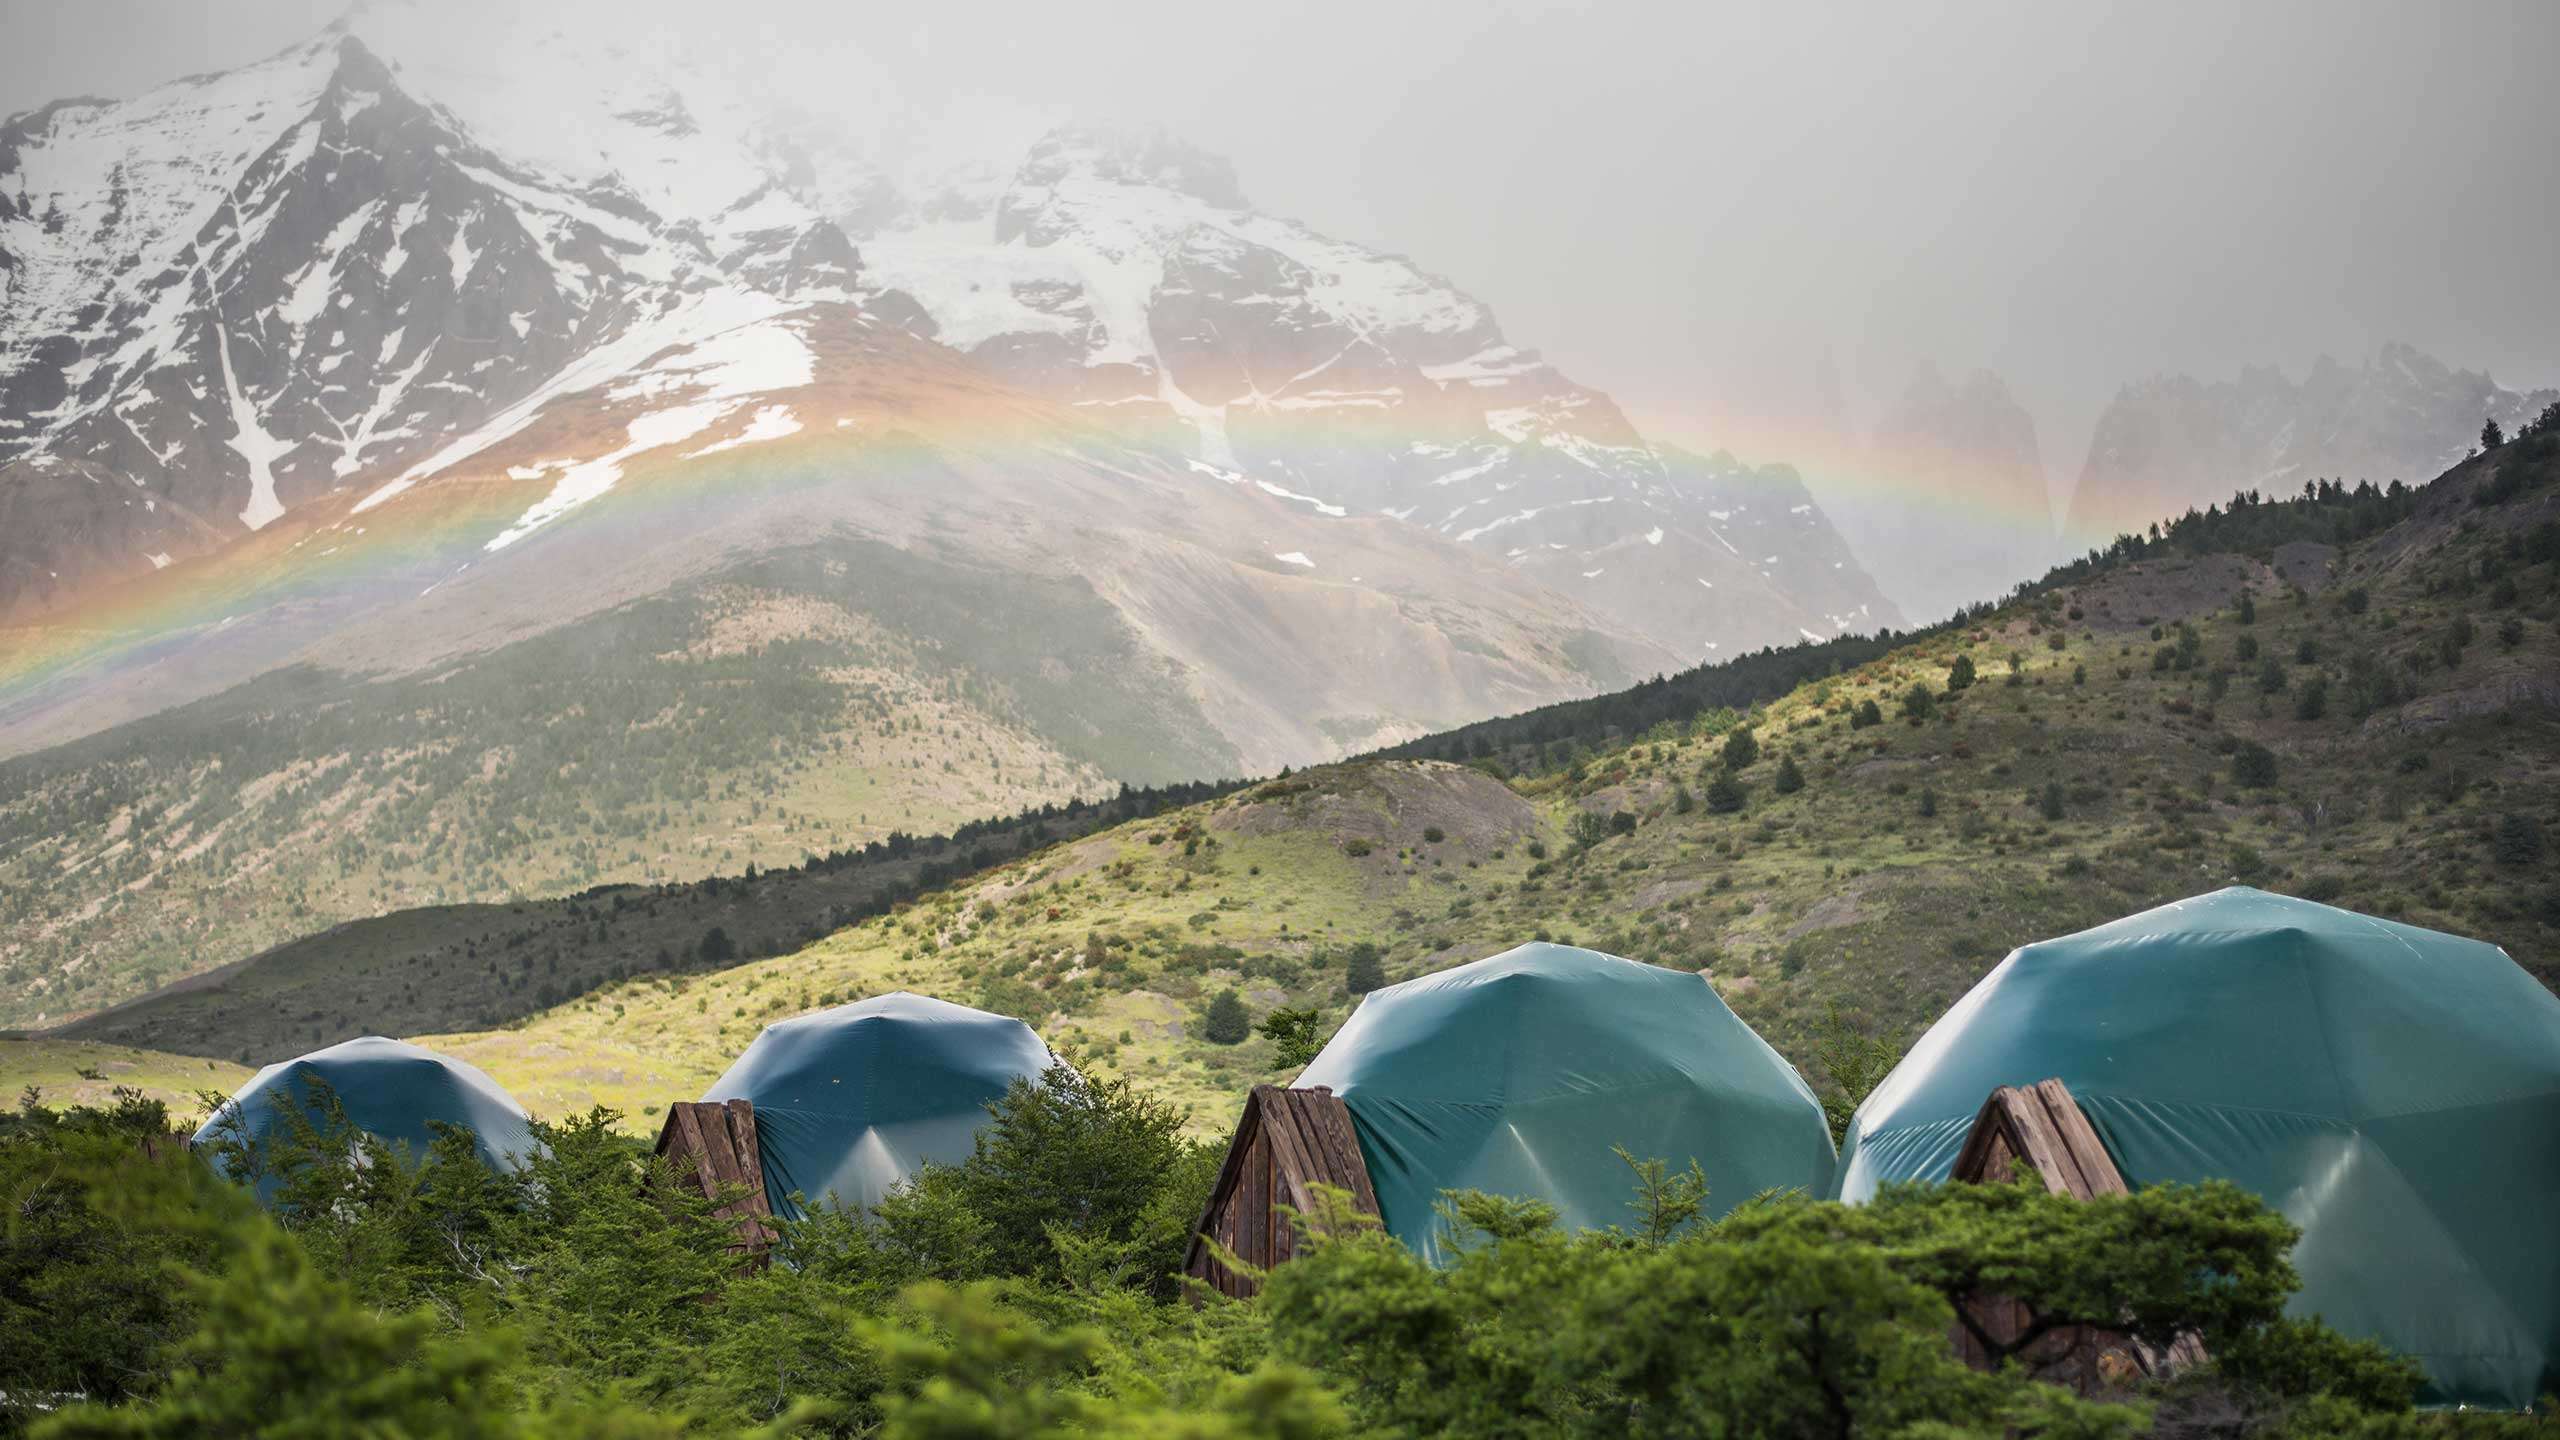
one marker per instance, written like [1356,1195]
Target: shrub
[1293,1035]
[1867,713]
[2519,840]
[2253,765]
[1433,835]
[1363,970]
[1918,704]
[1622,822]
[2312,701]
[2051,804]
[1741,749]
[1356,847]
[1226,1022]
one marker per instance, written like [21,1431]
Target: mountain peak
[1140,156]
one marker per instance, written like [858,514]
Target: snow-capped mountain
[244,291]
[344,357]
[2174,443]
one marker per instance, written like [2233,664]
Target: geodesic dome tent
[1519,1073]
[388,1089]
[2394,1091]
[851,1102]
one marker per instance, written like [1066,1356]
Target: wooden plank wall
[713,1146]
[2044,1126]
[1287,1143]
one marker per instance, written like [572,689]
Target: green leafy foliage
[1022,1294]
[1295,1035]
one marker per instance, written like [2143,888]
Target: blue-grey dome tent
[2394,1091]
[1518,1075]
[851,1102]
[389,1089]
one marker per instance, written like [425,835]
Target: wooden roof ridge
[2043,1125]
[712,1144]
[1310,1140]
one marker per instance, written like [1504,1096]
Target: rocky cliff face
[2174,443]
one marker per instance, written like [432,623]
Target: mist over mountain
[1955,509]
[298,294]
[2173,442]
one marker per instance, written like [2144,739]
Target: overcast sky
[1687,204]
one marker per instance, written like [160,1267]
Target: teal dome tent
[2394,1091]
[1518,1074]
[851,1102]
[388,1089]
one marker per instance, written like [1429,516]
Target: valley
[2346,697]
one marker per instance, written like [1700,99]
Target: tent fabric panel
[2394,1092]
[391,1090]
[1523,1073]
[851,1102]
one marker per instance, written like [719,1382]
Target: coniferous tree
[1363,969]
[1226,1022]
[1960,675]
[1725,794]
[1741,749]
[1790,778]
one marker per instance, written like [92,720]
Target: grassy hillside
[2351,697]
[2371,722]
[80,1072]
[811,701]
[454,966]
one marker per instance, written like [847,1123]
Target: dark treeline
[1554,737]
[441,968]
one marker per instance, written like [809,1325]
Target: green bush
[1741,749]
[1225,1022]
[2253,765]
[1363,970]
